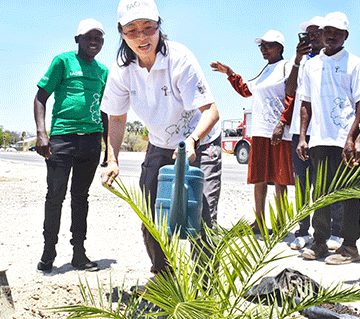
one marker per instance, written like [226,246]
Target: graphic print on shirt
[342,114]
[166,90]
[183,123]
[275,105]
[95,109]
[201,87]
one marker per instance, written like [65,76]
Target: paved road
[233,172]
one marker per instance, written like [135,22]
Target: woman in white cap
[270,161]
[163,83]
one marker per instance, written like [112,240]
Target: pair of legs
[269,164]
[208,158]
[300,170]
[79,154]
[321,221]
[260,191]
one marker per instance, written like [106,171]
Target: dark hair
[128,56]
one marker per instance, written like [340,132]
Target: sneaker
[334,242]
[316,251]
[300,242]
[343,255]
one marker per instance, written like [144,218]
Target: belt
[81,134]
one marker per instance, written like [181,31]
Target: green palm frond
[214,285]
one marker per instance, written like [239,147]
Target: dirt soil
[114,241]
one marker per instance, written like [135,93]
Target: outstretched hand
[219,67]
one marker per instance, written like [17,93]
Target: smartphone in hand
[304,37]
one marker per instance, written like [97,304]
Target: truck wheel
[242,153]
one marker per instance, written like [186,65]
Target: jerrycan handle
[178,214]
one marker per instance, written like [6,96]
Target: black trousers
[321,221]
[79,154]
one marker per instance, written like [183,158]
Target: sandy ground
[114,241]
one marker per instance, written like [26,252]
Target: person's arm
[305,117]
[235,79]
[116,132]
[209,117]
[291,83]
[42,140]
[351,151]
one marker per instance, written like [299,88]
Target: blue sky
[32,32]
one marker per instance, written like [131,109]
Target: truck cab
[236,137]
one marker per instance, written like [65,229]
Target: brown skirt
[270,163]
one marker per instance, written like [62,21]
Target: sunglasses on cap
[267,45]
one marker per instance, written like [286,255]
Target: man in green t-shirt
[77,81]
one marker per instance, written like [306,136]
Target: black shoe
[46,261]
[81,262]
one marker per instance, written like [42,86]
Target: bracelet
[296,65]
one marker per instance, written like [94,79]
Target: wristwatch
[196,140]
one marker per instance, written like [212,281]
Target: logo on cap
[136,4]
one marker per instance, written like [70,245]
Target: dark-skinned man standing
[330,95]
[77,81]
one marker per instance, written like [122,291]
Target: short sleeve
[304,90]
[355,83]
[116,98]
[190,81]
[53,76]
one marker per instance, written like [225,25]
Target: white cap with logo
[337,20]
[132,10]
[316,21]
[89,24]
[272,36]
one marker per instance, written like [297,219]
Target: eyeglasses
[134,34]
[267,45]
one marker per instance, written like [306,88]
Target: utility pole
[23,138]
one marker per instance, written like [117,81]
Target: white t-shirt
[268,93]
[295,120]
[167,98]
[332,86]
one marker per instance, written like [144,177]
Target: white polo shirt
[295,120]
[268,93]
[332,86]
[167,98]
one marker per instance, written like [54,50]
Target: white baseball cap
[89,24]
[272,36]
[316,21]
[132,10]
[337,20]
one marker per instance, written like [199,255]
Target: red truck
[236,137]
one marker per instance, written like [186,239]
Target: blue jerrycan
[179,195]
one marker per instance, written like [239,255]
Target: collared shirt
[332,86]
[167,98]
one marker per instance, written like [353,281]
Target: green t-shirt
[78,88]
